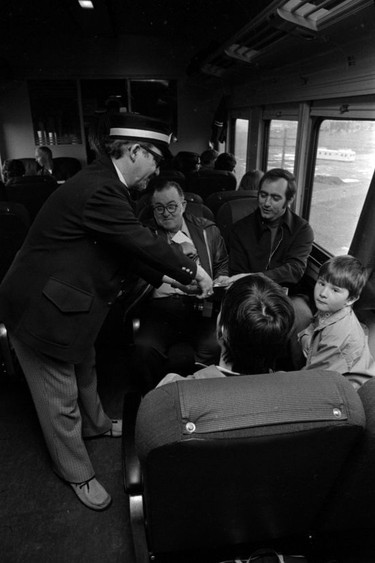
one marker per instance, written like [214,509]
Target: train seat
[217,199]
[7,360]
[171,175]
[192,206]
[232,211]
[3,194]
[31,191]
[235,461]
[64,167]
[206,182]
[31,166]
[14,224]
[350,508]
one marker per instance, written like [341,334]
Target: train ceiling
[213,37]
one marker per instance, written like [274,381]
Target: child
[335,340]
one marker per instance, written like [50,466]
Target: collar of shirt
[285,219]
[184,228]
[322,320]
[119,174]
[165,289]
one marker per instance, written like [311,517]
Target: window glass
[343,170]
[55,113]
[241,129]
[282,144]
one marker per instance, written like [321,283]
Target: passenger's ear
[290,200]
[220,334]
[351,300]
[133,152]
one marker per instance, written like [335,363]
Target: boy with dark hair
[253,329]
[335,340]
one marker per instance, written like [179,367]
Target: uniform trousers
[68,407]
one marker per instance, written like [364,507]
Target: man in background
[44,159]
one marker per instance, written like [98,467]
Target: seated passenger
[253,327]
[335,340]
[12,169]
[225,161]
[275,241]
[186,162]
[43,156]
[208,158]
[250,181]
[170,316]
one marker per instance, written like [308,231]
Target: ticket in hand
[180,237]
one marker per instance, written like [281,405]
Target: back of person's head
[346,272]
[46,151]
[254,325]
[13,169]
[225,161]
[186,162]
[250,180]
[277,173]
[208,158]
[98,132]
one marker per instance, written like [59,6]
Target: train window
[241,129]
[282,144]
[55,113]
[343,170]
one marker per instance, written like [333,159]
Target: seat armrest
[6,361]
[132,475]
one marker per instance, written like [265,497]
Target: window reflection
[282,144]
[241,129]
[343,170]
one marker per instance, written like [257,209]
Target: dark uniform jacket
[79,250]
[250,247]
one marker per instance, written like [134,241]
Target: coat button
[190,427]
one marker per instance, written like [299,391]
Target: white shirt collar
[119,174]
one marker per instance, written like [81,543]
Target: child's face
[330,298]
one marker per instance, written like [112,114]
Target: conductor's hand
[189,250]
[204,282]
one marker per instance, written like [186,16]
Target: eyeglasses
[157,157]
[171,208]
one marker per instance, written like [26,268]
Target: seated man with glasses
[169,316]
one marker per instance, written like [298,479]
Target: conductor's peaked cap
[139,128]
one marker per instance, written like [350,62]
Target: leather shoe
[116,430]
[92,494]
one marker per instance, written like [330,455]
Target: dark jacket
[250,247]
[83,244]
[207,240]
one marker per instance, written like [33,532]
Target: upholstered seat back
[216,200]
[206,182]
[231,212]
[31,191]
[242,459]
[351,506]
[64,167]
[14,224]
[192,207]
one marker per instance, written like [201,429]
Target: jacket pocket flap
[67,298]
